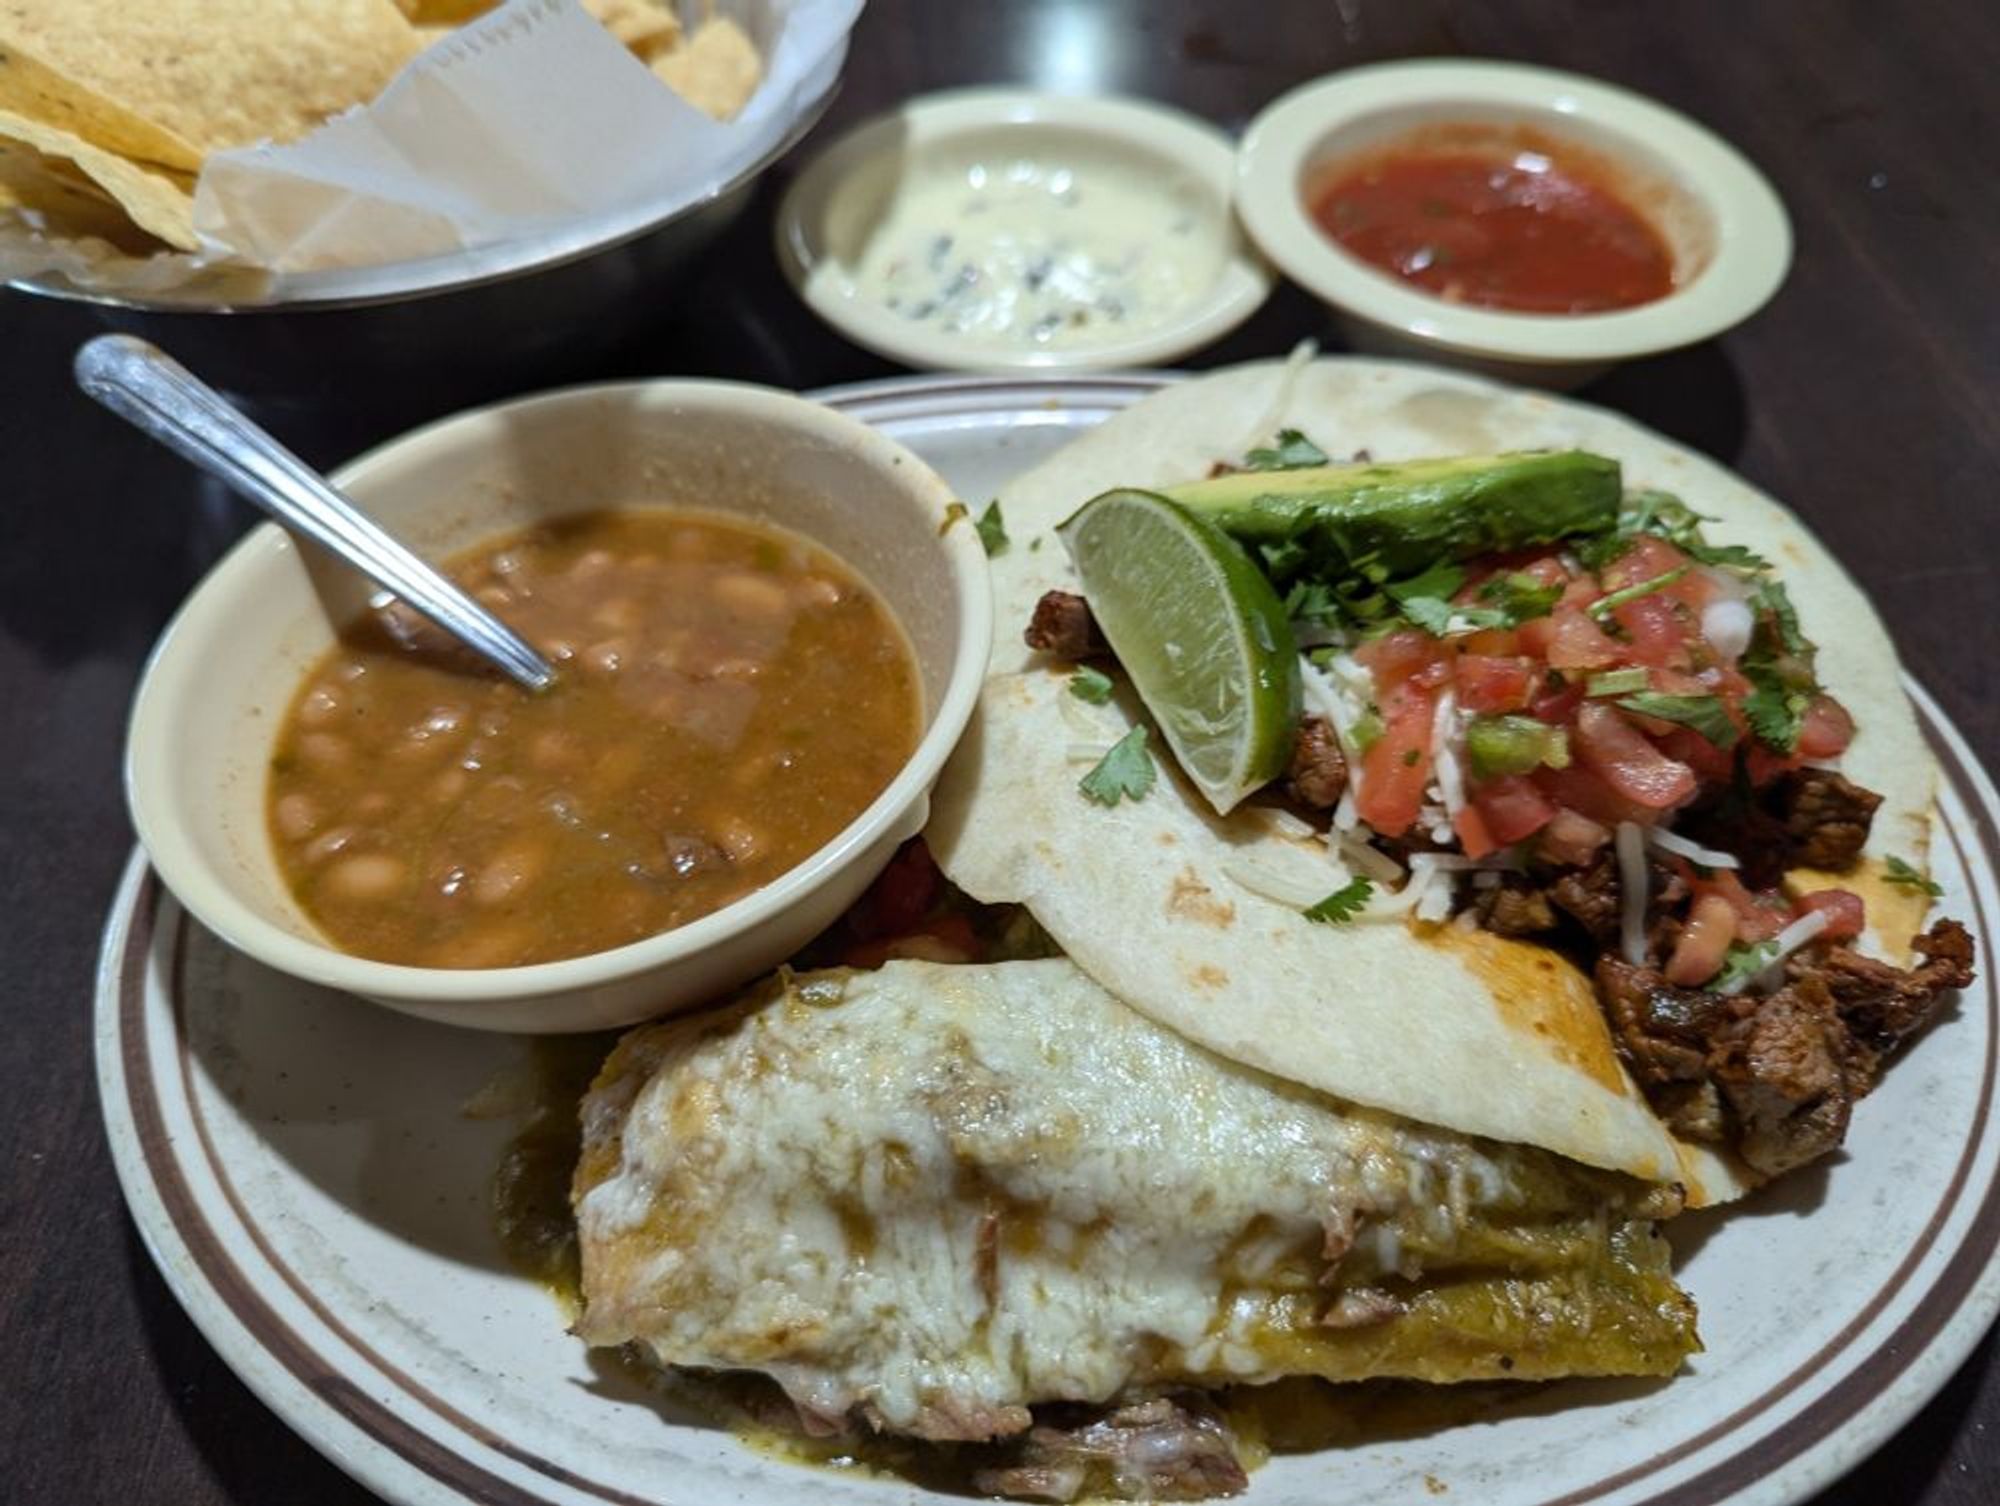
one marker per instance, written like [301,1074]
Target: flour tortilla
[1471,1033]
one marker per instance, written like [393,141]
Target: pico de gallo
[1535,703]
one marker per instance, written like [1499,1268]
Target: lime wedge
[1200,631]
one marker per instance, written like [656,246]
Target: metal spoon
[149,389]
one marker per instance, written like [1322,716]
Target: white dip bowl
[1000,176]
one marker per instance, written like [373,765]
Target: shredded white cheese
[1444,752]
[1786,942]
[1694,852]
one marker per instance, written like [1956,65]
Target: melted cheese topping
[945,1192]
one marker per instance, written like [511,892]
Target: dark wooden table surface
[1867,395]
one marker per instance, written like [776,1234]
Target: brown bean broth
[729,697]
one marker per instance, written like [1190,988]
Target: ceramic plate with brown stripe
[306,1176]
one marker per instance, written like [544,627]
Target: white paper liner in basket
[528,135]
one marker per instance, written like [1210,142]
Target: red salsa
[1506,228]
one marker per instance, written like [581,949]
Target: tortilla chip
[158,201]
[214,73]
[443,12]
[32,89]
[716,69]
[49,198]
[645,26]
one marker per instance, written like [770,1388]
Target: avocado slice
[1406,515]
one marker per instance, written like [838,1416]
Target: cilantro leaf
[1604,606]
[1292,452]
[1283,559]
[1775,713]
[1771,597]
[1313,602]
[1090,685]
[1666,516]
[1908,877]
[992,529]
[1741,963]
[1703,713]
[1426,598]
[1341,906]
[1518,597]
[1727,556]
[1779,667]
[1126,772]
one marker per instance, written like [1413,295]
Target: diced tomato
[1711,765]
[1584,792]
[1397,765]
[1826,729]
[1434,675]
[1546,571]
[1578,643]
[1497,642]
[1655,632]
[1846,913]
[1580,593]
[1572,838]
[1704,941]
[1512,808]
[1647,557]
[1488,684]
[1622,756]
[1474,839]
[1758,917]
[1556,704]
[900,895]
[1399,656]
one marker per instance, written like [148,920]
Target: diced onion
[1444,752]
[1633,882]
[1367,860]
[1727,625]
[1285,823]
[1694,852]
[1347,814]
[1436,903]
[1726,583]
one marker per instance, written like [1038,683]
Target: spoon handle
[150,390]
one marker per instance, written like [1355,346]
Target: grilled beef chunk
[1594,898]
[1515,907]
[1062,625]
[1826,818]
[1165,1449]
[1318,773]
[1784,1071]
[1776,1076]
[1880,1004]
[1589,896]
[1662,1031]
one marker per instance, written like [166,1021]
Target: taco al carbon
[1618,738]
